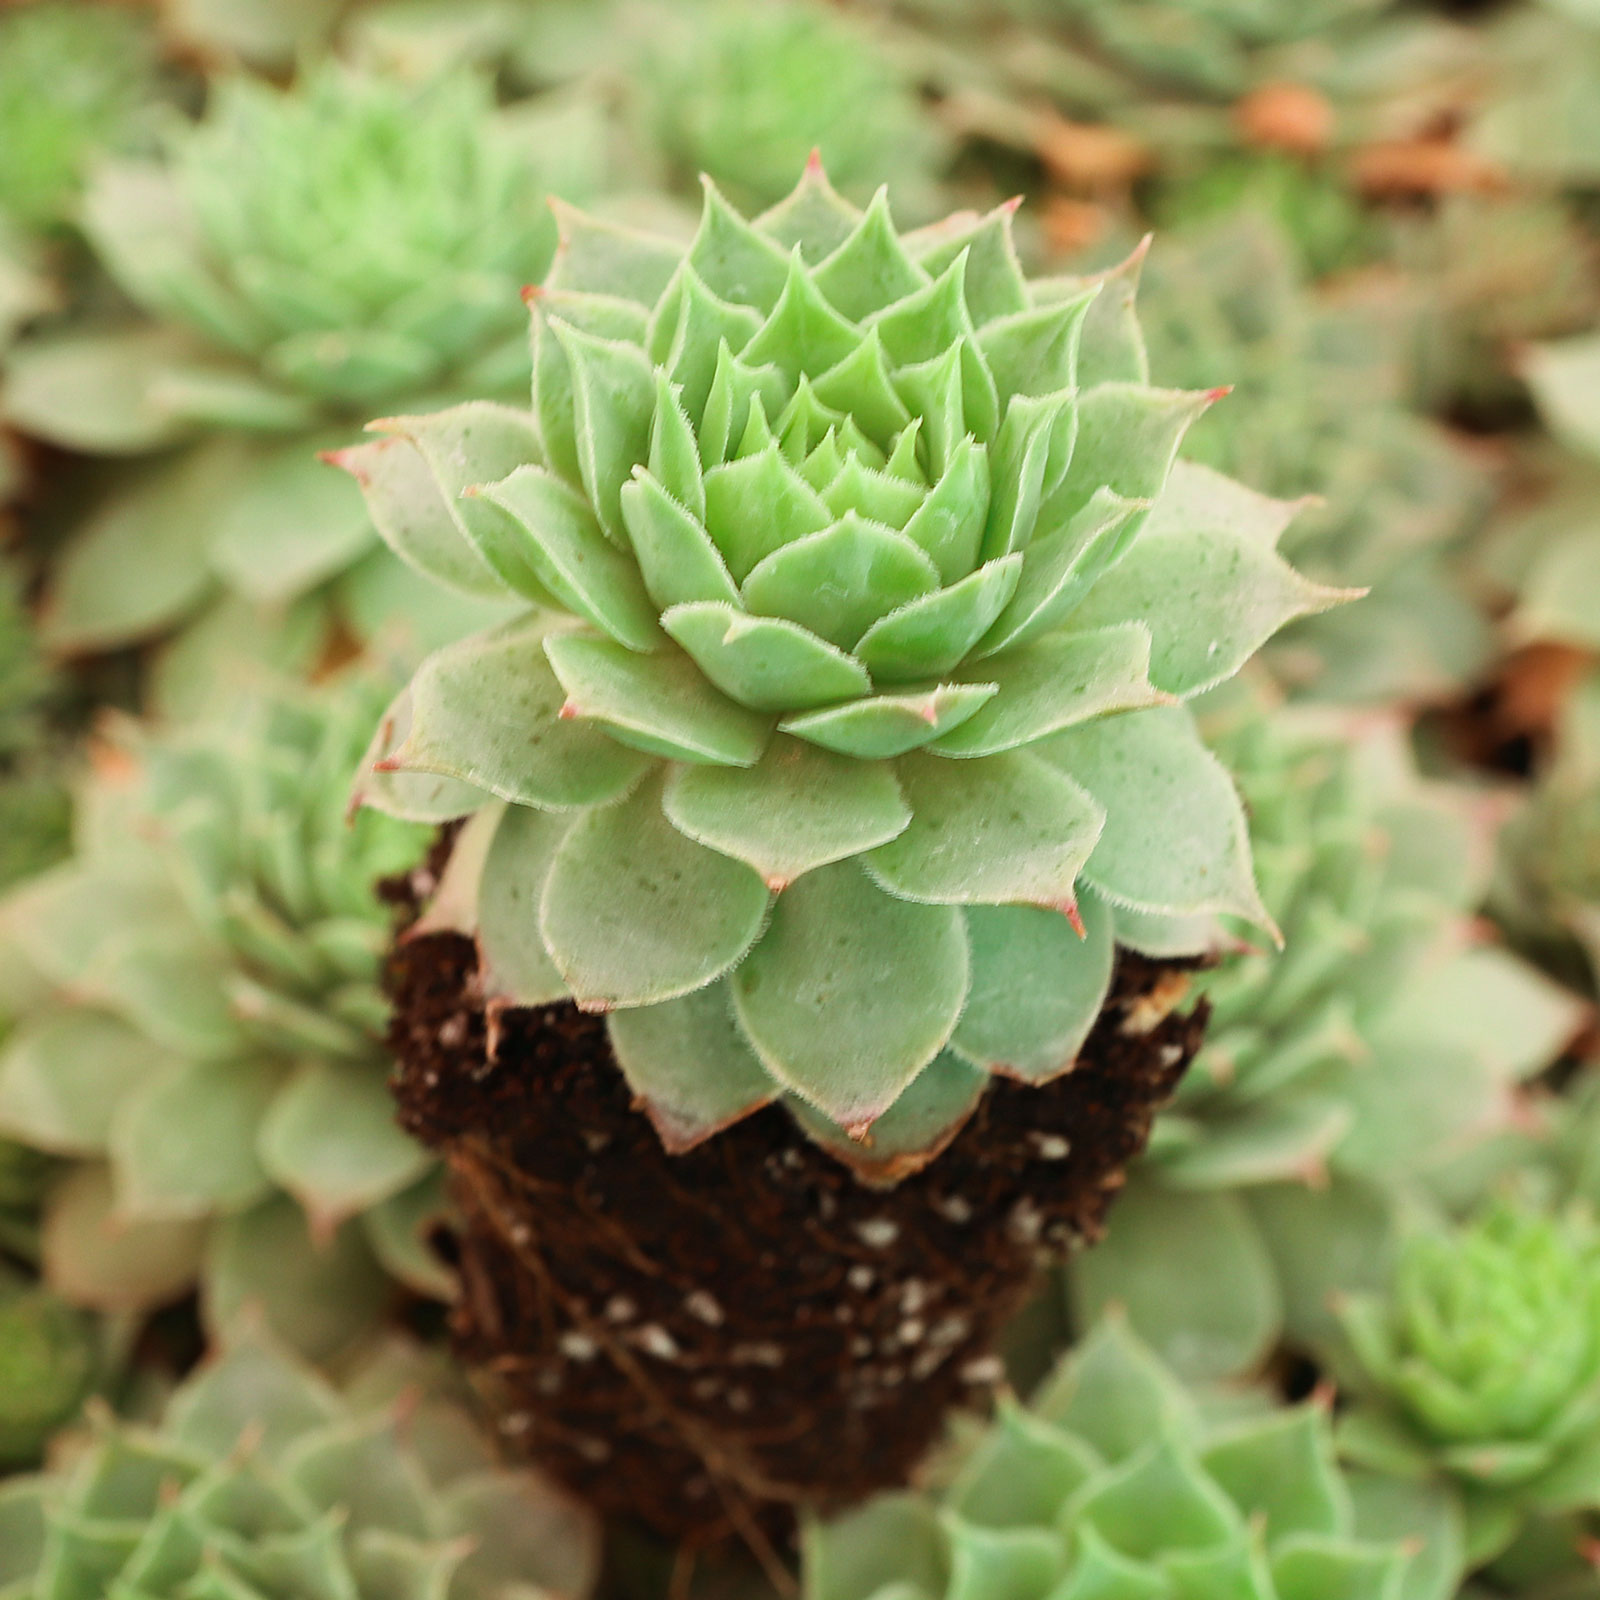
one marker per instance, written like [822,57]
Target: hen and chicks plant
[842,734]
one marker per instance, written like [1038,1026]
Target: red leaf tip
[569,710]
[1222,393]
[531,292]
[814,168]
[1012,206]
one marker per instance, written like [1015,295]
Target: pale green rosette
[1117,1482]
[1343,1080]
[844,729]
[262,1481]
[204,1036]
[1480,1368]
[303,257]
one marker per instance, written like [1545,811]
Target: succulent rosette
[843,735]
[1392,491]
[302,256]
[262,1480]
[1116,1479]
[204,1037]
[744,92]
[48,1360]
[1341,1079]
[1481,1367]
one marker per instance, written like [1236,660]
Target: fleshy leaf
[798,808]
[674,457]
[658,703]
[517,966]
[931,636]
[886,725]
[677,559]
[913,1131]
[803,333]
[765,663]
[1035,352]
[609,258]
[1175,840]
[408,508]
[757,506]
[950,522]
[1060,681]
[574,559]
[839,582]
[690,1066]
[1127,437]
[1211,598]
[995,286]
[1037,987]
[1061,567]
[635,913]
[614,394]
[411,796]
[487,712]
[1010,829]
[736,259]
[686,331]
[851,992]
[870,268]
[1020,459]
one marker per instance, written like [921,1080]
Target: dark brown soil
[706,1341]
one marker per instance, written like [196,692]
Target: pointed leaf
[797,809]
[1211,599]
[1175,840]
[614,396]
[886,725]
[1037,987]
[736,388]
[487,712]
[928,321]
[851,992]
[1063,680]
[689,1066]
[839,582]
[1111,349]
[1127,437]
[813,215]
[464,447]
[677,559]
[516,965]
[574,559]
[408,508]
[860,387]
[410,796]
[763,662]
[1019,461]
[995,285]
[1196,498]
[949,525]
[1010,829]
[1035,352]
[1282,1468]
[931,636]
[635,913]
[687,330]
[1003,1563]
[757,506]
[871,268]
[803,333]
[735,258]
[674,456]
[660,704]
[913,1131]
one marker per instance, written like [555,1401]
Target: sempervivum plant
[840,743]
[1392,489]
[205,1035]
[744,92]
[264,1482]
[1481,1367]
[1117,1480]
[303,257]
[1340,1078]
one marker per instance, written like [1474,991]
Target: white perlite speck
[703,1304]
[578,1346]
[878,1233]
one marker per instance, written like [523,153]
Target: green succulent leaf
[765,663]
[1010,829]
[1037,987]
[881,726]
[798,808]
[634,913]
[851,992]
[665,1051]
[517,965]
